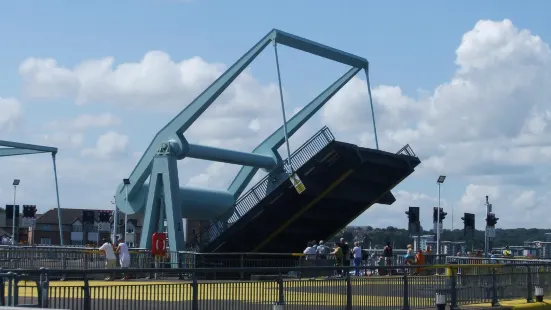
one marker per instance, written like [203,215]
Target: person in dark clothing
[345,252]
[387,254]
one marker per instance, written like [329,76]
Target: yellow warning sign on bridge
[297,183]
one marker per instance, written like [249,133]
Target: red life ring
[158,244]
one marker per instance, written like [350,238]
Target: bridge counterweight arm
[231,157]
[176,127]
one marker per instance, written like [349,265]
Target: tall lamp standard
[440,181]
[126,183]
[13,237]
[115,219]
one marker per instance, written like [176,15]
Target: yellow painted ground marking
[331,292]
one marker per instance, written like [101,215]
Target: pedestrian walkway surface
[512,304]
[375,292]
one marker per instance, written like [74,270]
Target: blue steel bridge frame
[162,198]
[9,148]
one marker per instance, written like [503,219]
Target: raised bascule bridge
[321,187]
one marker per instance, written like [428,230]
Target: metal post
[58,205]
[13,241]
[348,291]
[453,285]
[194,292]
[487,241]
[529,298]
[405,301]
[283,109]
[486,245]
[495,301]
[438,224]
[452,217]
[115,220]
[372,108]
[126,215]
[86,294]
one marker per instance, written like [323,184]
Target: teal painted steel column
[58,205]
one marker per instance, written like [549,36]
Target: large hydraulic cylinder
[197,203]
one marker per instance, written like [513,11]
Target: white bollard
[538,291]
[440,301]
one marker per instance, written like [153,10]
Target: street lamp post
[115,219]
[126,183]
[440,181]
[15,183]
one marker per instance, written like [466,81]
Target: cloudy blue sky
[466,83]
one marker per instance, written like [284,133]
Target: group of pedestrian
[343,256]
[316,250]
[109,251]
[415,259]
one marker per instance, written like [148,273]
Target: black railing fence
[279,288]
[90,259]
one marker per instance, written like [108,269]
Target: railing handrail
[499,259]
[407,150]
[276,270]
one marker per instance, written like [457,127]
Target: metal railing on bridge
[328,288]
[91,259]
[406,150]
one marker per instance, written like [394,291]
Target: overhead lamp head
[441,179]
[16,182]
[126,181]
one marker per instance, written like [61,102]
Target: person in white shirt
[110,258]
[357,251]
[310,252]
[124,256]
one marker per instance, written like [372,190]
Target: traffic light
[88,216]
[413,215]
[9,212]
[491,220]
[29,211]
[435,214]
[104,216]
[468,222]
[414,226]
[442,215]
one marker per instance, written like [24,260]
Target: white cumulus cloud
[109,146]
[11,113]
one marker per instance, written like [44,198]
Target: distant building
[21,227]
[453,247]
[423,242]
[75,232]
[446,247]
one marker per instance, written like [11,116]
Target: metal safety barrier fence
[90,259]
[276,288]
[500,260]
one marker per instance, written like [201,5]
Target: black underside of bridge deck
[342,181]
